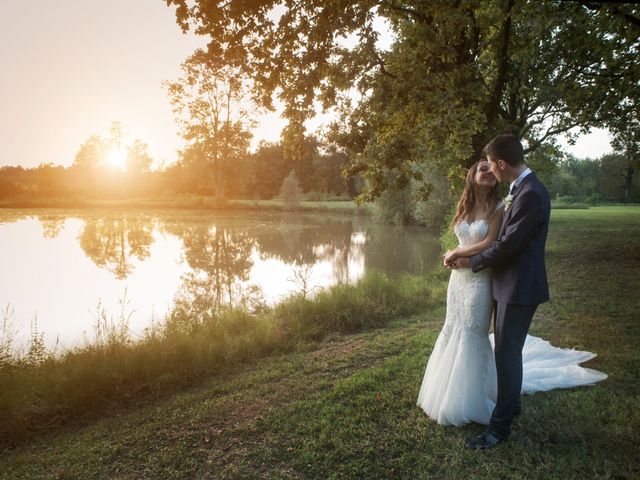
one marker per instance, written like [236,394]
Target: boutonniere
[508,200]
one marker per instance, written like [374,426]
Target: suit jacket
[517,255]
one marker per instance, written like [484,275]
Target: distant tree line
[257,175]
[261,174]
[611,178]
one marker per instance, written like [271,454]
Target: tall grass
[114,371]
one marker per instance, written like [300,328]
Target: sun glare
[116,158]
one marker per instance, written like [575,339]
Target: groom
[519,279]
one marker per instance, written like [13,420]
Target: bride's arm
[481,246]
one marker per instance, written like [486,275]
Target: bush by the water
[568,203]
[404,206]
[290,191]
[87,381]
[324,196]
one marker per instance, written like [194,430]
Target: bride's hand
[450,256]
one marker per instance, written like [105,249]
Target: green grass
[199,202]
[82,384]
[345,407]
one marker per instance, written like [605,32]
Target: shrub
[402,207]
[290,191]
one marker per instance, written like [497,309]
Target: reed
[40,390]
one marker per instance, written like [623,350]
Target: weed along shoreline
[41,391]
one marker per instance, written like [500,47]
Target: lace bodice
[470,233]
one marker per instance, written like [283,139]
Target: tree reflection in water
[304,241]
[220,261]
[51,225]
[202,262]
[402,249]
[221,258]
[113,243]
[220,252]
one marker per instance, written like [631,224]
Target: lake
[64,271]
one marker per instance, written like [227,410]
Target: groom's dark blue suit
[519,285]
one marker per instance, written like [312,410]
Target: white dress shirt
[517,181]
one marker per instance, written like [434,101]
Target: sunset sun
[116,158]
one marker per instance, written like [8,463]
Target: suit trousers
[511,324]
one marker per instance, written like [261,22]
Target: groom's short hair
[505,147]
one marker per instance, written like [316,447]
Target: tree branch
[409,11]
[503,60]
[549,133]
[597,6]
[383,69]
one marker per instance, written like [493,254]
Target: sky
[71,67]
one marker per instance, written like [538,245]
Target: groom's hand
[462,262]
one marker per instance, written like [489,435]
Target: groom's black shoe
[486,440]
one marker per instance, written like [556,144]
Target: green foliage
[545,160]
[37,353]
[92,153]
[433,211]
[324,196]
[612,177]
[269,169]
[448,238]
[138,160]
[259,175]
[620,180]
[395,207]
[343,308]
[7,334]
[408,205]
[565,184]
[456,74]
[569,206]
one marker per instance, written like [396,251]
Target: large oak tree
[457,73]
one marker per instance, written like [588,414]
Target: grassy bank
[194,202]
[345,407]
[41,392]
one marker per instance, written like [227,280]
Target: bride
[459,384]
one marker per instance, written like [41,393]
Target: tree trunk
[628,179]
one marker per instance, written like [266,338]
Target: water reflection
[112,243]
[395,249]
[67,262]
[219,259]
[51,225]
[305,241]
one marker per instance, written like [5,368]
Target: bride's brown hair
[468,197]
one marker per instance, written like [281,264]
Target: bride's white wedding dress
[459,384]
